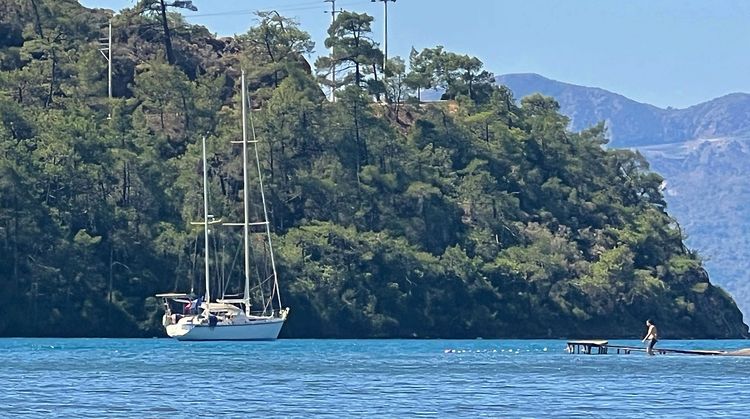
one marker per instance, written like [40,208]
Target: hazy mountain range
[702,151]
[633,123]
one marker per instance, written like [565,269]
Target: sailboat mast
[245,200]
[205,221]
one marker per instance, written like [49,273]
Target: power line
[290,8]
[385,24]
[333,64]
[105,45]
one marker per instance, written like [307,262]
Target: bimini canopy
[174,295]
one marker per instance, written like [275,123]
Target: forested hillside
[475,217]
[702,153]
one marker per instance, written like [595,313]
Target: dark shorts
[652,343]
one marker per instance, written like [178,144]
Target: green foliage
[354,52]
[159,8]
[456,74]
[274,47]
[477,217]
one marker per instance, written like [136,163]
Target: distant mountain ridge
[707,190]
[633,124]
[702,151]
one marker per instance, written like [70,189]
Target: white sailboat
[229,318]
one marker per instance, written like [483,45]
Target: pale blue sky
[664,52]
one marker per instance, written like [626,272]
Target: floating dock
[602,347]
[586,346]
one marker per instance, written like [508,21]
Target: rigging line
[261,283]
[215,242]
[265,208]
[193,270]
[257,273]
[270,300]
[223,267]
[249,105]
[231,268]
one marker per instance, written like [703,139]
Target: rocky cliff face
[702,151]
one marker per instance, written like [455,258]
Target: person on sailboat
[191,307]
[197,304]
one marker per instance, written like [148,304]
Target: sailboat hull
[257,330]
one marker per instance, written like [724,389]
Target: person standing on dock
[651,334]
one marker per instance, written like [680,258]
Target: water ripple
[350,378]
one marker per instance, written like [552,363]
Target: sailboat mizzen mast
[205,225]
[246,227]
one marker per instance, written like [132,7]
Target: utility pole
[333,64]
[385,29]
[105,45]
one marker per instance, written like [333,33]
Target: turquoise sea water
[354,378]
